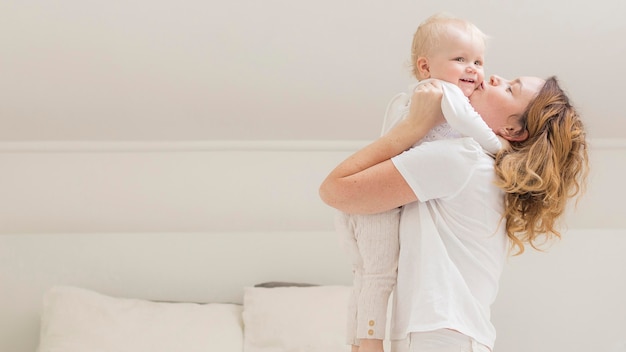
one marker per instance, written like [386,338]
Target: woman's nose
[495,80]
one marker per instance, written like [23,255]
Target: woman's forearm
[367,181]
[397,140]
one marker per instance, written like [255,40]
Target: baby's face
[459,60]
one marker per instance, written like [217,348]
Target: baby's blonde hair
[435,29]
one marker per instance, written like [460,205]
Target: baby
[450,50]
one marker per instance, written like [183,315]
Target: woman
[459,217]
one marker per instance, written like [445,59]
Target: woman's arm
[367,182]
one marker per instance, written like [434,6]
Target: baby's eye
[459,59]
[478,63]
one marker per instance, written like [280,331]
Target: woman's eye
[509,89]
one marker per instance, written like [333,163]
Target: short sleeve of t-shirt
[439,169]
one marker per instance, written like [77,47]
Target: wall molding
[179,146]
[225,145]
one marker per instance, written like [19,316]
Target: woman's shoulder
[444,156]
[444,168]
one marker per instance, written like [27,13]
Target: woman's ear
[423,69]
[513,133]
[514,130]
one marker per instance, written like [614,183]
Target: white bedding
[311,319]
[182,267]
[79,320]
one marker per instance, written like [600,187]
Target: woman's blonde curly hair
[540,174]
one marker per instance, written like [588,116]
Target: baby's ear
[423,69]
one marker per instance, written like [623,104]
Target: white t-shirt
[453,245]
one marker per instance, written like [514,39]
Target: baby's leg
[377,241]
[344,224]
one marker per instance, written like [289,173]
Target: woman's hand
[424,114]
[425,106]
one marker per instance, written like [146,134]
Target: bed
[286,318]
[173,292]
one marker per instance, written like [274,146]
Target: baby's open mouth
[480,86]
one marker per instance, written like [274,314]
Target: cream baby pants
[372,243]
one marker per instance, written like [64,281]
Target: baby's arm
[397,109]
[462,117]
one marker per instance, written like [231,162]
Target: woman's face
[500,102]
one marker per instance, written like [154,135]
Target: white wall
[569,298]
[146,187]
[79,80]
[223,186]
[274,69]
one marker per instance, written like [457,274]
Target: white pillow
[78,320]
[306,319]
